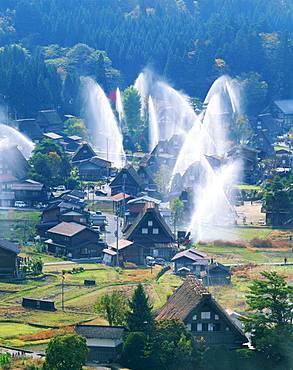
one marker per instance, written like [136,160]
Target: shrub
[261,243]
[162,271]
[5,361]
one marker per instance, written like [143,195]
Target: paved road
[110,236]
[259,264]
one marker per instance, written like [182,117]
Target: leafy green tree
[133,353]
[140,316]
[76,126]
[162,178]
[132,109]
[112,307]
[278,199]
[173,347]
[255,92]
[177,208]
[49,164]
[66,352]
[73,182]
[270,318]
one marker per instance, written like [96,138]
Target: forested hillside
[189,42]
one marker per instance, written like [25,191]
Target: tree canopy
[66,352]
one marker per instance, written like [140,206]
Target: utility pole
[62,290]
[107,149]
[123,190]
[117,241]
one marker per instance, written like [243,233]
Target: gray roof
[9,246]
[28,185]
[286,106]
[144,199]
[100,331]
[192,254]
[67,228]
[52,135]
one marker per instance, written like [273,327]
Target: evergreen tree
[270,318]
[140,316]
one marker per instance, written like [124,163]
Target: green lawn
[248,233]
[248,187]
[243,255]
[10,330]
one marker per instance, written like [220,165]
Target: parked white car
[60,188]
[20,204]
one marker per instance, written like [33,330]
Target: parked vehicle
[41,205]
[160,261]
[60,188]
[20,204]
[150,261]
[100,193]
[98,219]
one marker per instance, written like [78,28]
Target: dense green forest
[188,42]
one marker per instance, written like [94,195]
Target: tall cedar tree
[270,318]
[140,317]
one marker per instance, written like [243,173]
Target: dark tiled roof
[9,246]
[100,332]
[183,300]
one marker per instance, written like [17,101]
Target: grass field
[15,328]
[18,224]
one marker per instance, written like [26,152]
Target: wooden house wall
[7,262]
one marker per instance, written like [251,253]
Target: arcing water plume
[153,126]
[119,106]
[9,136]
[174,113]
[143,84]
[170,109]
[209,138]
[101,121]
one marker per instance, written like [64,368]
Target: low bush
[261,243]
[162,272]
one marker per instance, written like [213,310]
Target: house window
[217,327]
[194,317]
[199,326]
[210,327]
[144,230]
[216,317]
[227,328]
[155,231]
[206,315]
[189,327]
[150,223]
